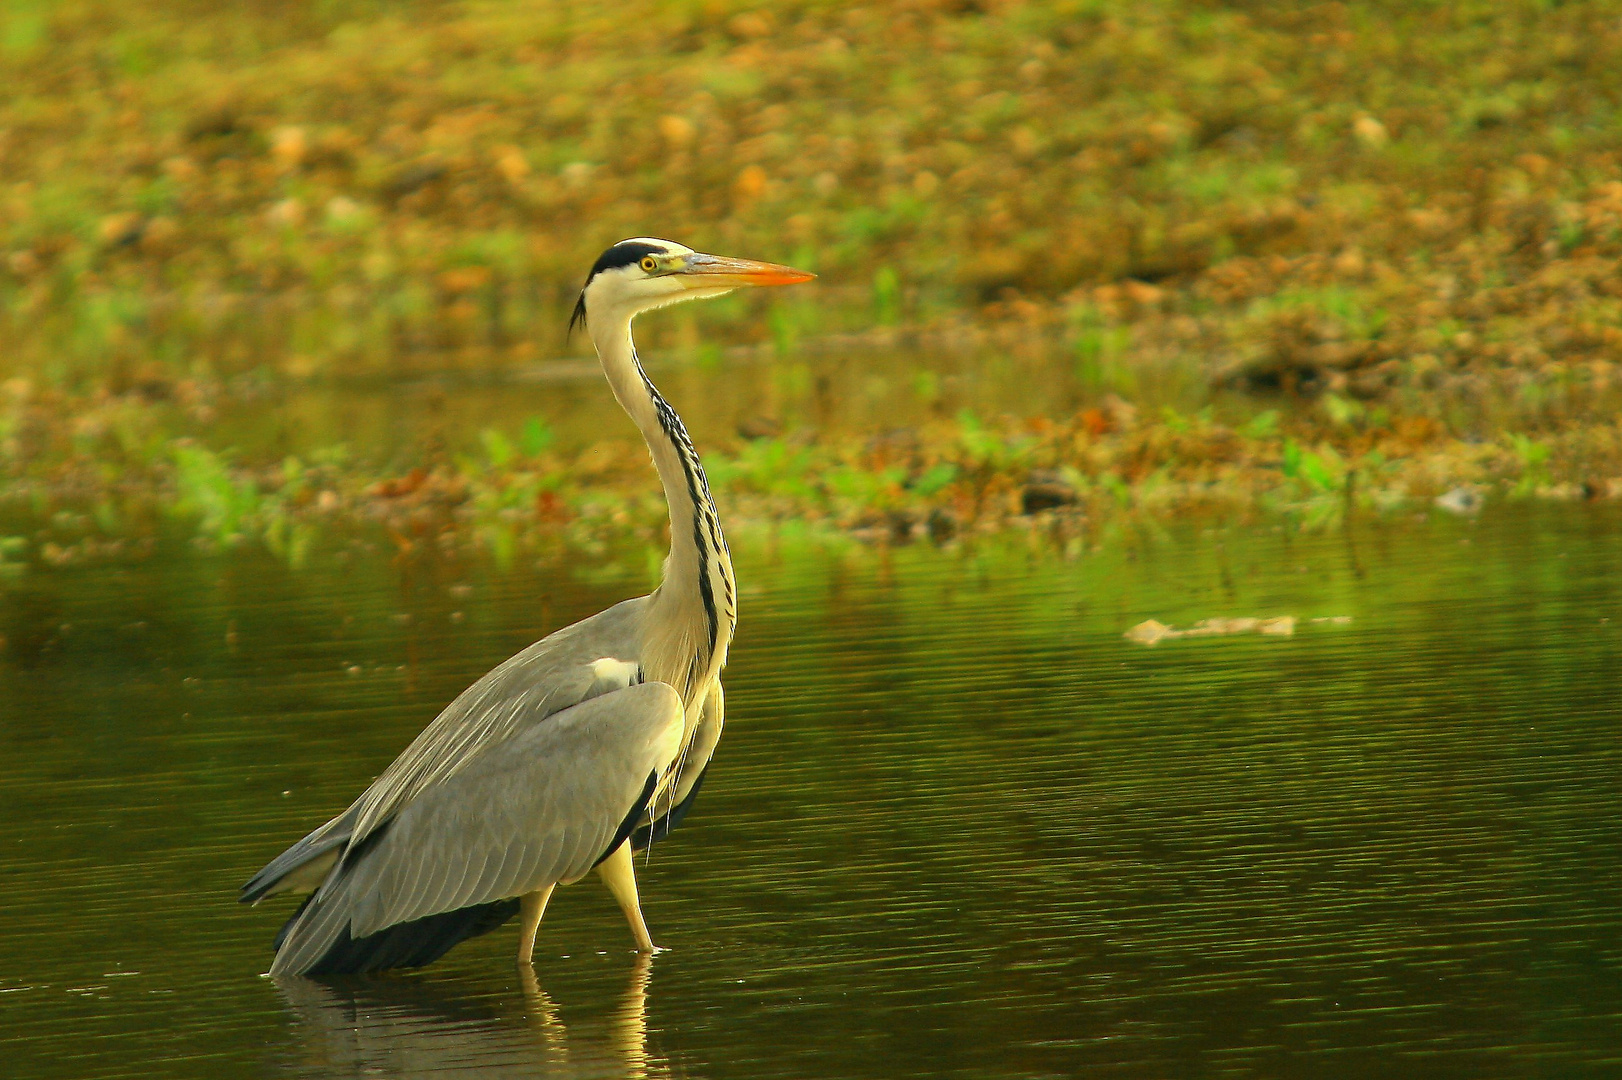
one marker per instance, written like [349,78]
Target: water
[839,388]
[958,826]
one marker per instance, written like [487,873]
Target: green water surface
[958,825]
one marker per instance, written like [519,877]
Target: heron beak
[701,271]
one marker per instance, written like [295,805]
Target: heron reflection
[410,1030]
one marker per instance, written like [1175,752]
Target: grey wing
[540,808]
[572,665]
[303,866]
[562,669]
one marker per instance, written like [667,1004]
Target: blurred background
[1377,196]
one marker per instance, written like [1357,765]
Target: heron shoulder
[547,677]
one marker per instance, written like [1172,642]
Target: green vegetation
[1404,217]
[1073,480]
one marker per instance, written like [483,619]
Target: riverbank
[87,480]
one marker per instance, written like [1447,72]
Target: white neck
[691,615]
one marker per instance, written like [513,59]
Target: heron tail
[324,949]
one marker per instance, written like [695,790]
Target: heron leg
[534,906]
[617,873]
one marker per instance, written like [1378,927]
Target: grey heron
[587,745]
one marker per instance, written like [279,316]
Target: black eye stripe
[629,253]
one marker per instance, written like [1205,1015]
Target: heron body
[584,747]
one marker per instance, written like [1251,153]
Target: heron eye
[648,264]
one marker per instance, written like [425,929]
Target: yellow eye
[648,264]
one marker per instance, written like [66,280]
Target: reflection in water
[416,1028]
[844,389]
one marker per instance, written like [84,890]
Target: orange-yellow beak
[700,271]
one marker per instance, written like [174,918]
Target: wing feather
[561,670]
[484,882]
[460,887]
[553,674]
[532,810]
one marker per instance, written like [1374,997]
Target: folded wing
[537,808]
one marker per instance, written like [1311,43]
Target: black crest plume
[622,254]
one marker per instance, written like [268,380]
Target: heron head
[644,273]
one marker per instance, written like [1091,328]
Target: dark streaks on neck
[707,538]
